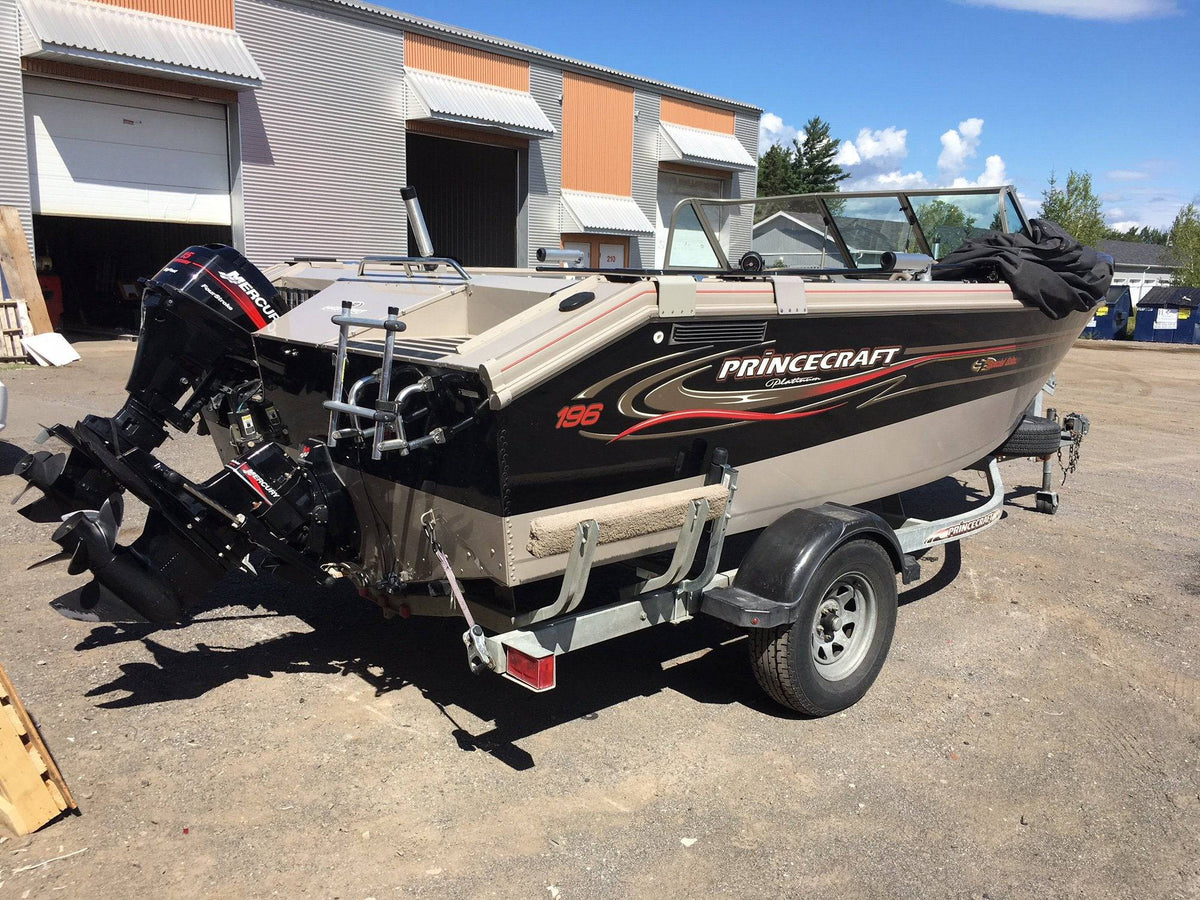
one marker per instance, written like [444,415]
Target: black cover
[1050,270]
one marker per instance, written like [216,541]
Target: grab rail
[410,261]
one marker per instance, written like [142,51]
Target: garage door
[468,193]
[115,154]
[676,186]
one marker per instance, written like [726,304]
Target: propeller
[89,536]
[39,469]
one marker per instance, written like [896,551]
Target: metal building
[131,127]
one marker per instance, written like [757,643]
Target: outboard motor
[198,313]
[195,348]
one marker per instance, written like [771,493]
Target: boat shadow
[704,660]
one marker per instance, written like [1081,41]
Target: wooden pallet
[32,790]
[14,325]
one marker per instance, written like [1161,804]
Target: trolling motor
[195,349]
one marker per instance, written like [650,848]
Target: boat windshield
[848,230]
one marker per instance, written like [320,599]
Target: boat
[568,454]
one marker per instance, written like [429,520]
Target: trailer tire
[1034,436]
[816,665]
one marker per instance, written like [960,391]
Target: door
[112,154]
[469,196]
[676,186]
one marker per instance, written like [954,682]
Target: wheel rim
[843,626]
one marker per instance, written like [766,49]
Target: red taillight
[533,672]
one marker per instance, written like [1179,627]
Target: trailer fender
[775,573]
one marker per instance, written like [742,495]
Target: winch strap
[455,591]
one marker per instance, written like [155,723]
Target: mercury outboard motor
[195,348]
[198,314]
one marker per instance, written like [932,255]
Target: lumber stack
[32,790]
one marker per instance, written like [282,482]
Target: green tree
[775,172]
[1185,246]
[813,166]
[1144,235]
[1077,208]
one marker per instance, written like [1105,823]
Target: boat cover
[1047,268]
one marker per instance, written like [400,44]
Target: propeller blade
[17,499]
[41,468]
[109,519]
[52,558]
[79,559]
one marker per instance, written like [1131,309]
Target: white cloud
[773,130]
[994,173]
[1124,225]
[895,180]
[887,144]
[847,155]
[1127,175]
[1101,10]
[959,145]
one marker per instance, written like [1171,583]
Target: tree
[775,172]
[1076,209]
[1185,246]
[1145,235]
[813,166]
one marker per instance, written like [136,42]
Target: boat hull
[892,402]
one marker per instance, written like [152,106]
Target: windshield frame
[903,198]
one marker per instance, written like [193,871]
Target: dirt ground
[1035,731]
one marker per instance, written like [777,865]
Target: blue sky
[924,92]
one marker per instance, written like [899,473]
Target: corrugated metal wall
[597,135]
[645,172]
[323,138]
[432,55]
[208,12]
[544,204]
[14,163]
[697,115]
[745,184]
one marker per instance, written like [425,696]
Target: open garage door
[469,194]
[112,154]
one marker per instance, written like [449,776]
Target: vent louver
[717,332]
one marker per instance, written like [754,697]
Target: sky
[923,93]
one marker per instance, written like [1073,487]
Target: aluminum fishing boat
[568,454]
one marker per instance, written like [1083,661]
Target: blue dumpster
[1169,315]
[1109,319]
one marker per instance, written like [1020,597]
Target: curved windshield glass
[848,230]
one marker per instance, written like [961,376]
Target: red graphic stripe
[728,414]
[241,299]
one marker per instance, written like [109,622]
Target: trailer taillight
[536,673]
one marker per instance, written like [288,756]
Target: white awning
[698,146]
[462,102]
[97,34]
[603,214]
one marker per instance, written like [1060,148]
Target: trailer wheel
[827,659]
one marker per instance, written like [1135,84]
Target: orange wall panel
[597,141]
[696,115]
[446,58]
[207,12]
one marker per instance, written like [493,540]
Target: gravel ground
[1035,732]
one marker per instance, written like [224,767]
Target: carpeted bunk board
[554,534]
